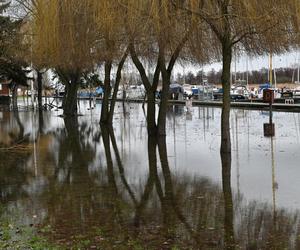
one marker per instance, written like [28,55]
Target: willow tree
[141,47]
[158,33]
[64,37]
[175,32]
[294,17]
[112,50]
[255,26]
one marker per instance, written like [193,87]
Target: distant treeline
[283,75]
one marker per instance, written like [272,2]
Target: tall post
[247,74]
[270,69]
[32,91]
[298,71]
[234,66]
[274,184]
[275,79]
[271,113]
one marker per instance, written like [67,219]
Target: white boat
[296,92]
[239,92]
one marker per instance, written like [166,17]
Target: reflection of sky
[193,141]
[197,152]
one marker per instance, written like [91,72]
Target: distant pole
[270,69]
[247,76]
[32,74]
[298,72]
[32,90]
[234,66]
[274,184]
[275,79]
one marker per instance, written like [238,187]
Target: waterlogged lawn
[13,236]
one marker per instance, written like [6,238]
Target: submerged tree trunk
[116,87]
[70,103]
[15,96]
[225,125]
[107,90]
[20,125]
[228,203]
[151,119]
[41,122]
[166,79]
[109,161]
[40,87]
[162,114]
[150,90]
[172,209]
[152,142]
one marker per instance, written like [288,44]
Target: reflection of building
[4,92]
[5,128]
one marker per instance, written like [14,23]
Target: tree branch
[139,67]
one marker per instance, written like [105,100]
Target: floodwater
[118,189]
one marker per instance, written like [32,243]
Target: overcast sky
[285,60]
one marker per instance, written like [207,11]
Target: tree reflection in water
[70,196]
[88,192]
[14,154]
[229,242]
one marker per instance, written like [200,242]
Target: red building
[4,92]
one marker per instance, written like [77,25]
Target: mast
[247,76]
[298,71]
[234,66]
[270,69]
[275,79]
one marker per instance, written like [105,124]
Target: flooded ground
[118,189]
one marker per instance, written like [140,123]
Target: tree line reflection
[85,190]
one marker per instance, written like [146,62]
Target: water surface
[119,189]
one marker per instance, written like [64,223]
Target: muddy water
[118,189]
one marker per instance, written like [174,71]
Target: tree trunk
[162,115]
[15,96]
[40,87]
[225,125]
[64,78]
[150,90]
[64,96]
[116,87]
[107,91]
[70,103]
[151,123]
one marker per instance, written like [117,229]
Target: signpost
[269,128]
